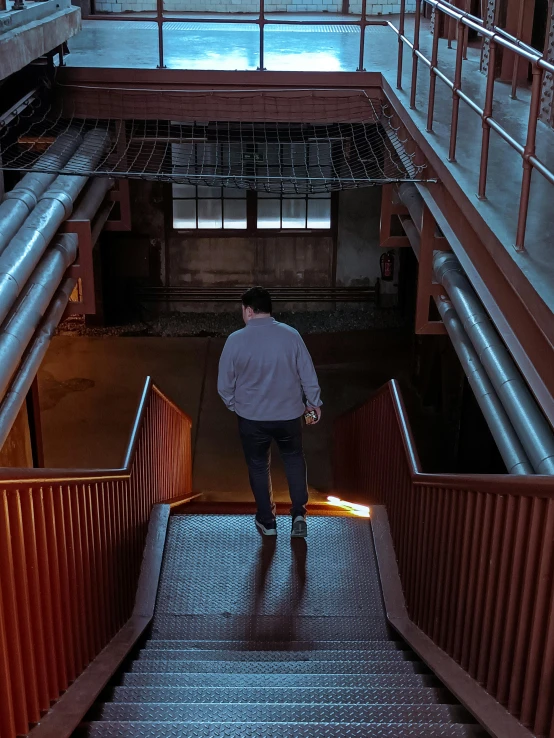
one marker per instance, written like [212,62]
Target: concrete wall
[358,249]
[252,6]
[155,255]
[294,260]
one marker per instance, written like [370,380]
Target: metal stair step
[153,729]
[299,695]
[279,667]
[180,625]
[178,680]
[280,713]
[241,645]
[273,656]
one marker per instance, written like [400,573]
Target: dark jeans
[256,437]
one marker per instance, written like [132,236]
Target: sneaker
[299,527]
[266,529]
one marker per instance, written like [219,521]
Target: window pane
[204,192]
[206,154]
[234,193]
[182,155]
[209,214]
[184,190]
[319,213]
[184,214]
[294,213]
[234,212]
[269,214]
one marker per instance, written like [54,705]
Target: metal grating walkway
[257,638]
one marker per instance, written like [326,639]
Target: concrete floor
[90,387]
[335,48]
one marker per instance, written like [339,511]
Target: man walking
[266,376]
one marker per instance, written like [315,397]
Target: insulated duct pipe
[24,318]
[26,248]
[530,425]
[528,421]
[502,430]
[21,384]
[20,202]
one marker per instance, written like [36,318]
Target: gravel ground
[175,325]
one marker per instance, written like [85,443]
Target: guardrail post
[433,74]
[160,22]
[261,23]
[487,113]
[363,25]
[529,151]
[401,44]
[415,58]
[455,96]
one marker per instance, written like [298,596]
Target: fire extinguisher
[386,263]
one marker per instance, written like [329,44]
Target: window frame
[251,219]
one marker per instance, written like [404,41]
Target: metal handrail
[473,551]
[495,36]
[71,546]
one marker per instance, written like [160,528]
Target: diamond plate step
[342,645]
[280,667]
[289,713]
[274,656]
[150,729]
[177,680]
[267,627]
[299,695]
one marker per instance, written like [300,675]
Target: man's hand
[317,411]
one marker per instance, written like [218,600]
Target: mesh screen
[295,157]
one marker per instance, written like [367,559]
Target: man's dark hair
[259,299]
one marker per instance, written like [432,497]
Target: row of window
[198,207]
[212,208]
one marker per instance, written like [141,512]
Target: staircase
[273,638]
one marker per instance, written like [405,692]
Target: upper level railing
[475,555]
[71,546]
[459,24]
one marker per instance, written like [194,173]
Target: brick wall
[251,6]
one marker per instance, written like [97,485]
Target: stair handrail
[475,555]
[71,546]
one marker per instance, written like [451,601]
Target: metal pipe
[499,424]
[26,248]
[535,434]
[533,430]
[17,393]
[92,198]
[23,320]
[20,202]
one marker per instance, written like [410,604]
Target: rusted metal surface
[495,718]
[474,555]
[71,548]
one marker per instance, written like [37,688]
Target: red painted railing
[475,555]
[71,545]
